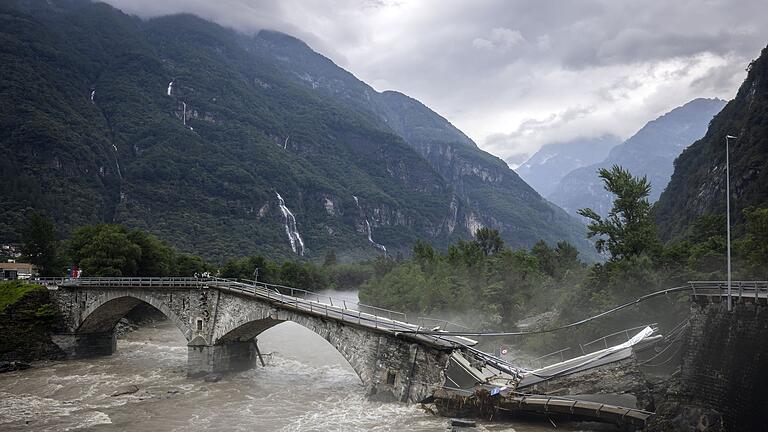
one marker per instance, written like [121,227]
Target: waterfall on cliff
[368,228]
[297,244]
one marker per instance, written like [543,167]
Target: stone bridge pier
[221,328]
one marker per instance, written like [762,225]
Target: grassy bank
[13,291]
[27,320]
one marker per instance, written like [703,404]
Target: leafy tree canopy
[629,229]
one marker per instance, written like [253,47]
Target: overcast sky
[514,75]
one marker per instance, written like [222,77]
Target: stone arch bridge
[221,320]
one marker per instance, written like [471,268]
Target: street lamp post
[728,211]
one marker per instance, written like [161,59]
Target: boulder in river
[212,377]
[10,366]
[124,390]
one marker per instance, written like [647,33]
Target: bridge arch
[346,340]
[103,313]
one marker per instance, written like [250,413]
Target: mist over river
[306,386]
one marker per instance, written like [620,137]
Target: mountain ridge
[190,130]
[697,187]
[553,161]
[649,152]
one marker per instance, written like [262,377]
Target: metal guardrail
[295,298]
[625,332]
[746,289]
[539,362]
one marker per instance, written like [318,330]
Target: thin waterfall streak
[291,228]
[117,163]
[368,230]
[370,237]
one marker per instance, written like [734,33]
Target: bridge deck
[377,319]
[480,403]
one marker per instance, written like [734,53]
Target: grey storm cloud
[516,74]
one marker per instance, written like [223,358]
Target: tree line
[480,282]
[112,250]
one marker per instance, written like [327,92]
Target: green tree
[157,258]
[489,240]
[105,250]
[423,252]
[330,258]
[40,246]
[754,246]
[545,256]
[629,229]
[188,265]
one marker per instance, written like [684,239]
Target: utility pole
[728,211]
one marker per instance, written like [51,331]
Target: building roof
[27,267]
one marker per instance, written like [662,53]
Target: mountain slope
[221,144]
[544,170]
[698,183]
[485,191]
[650,152]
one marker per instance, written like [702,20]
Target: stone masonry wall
[725,363]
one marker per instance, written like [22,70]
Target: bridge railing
[605,338]
[333,301]
[586,348]
[342,309]
[740,289]
[309,301]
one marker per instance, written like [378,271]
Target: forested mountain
[650,152]
[544,170]
[698,185]
[227,144]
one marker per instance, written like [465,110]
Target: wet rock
[212,377]
[463,423]
[13,366]
[124,390]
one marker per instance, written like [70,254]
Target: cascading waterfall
[368,230]
[170,88]
[117,163]
[297,244]
[370,239]
[93,93]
